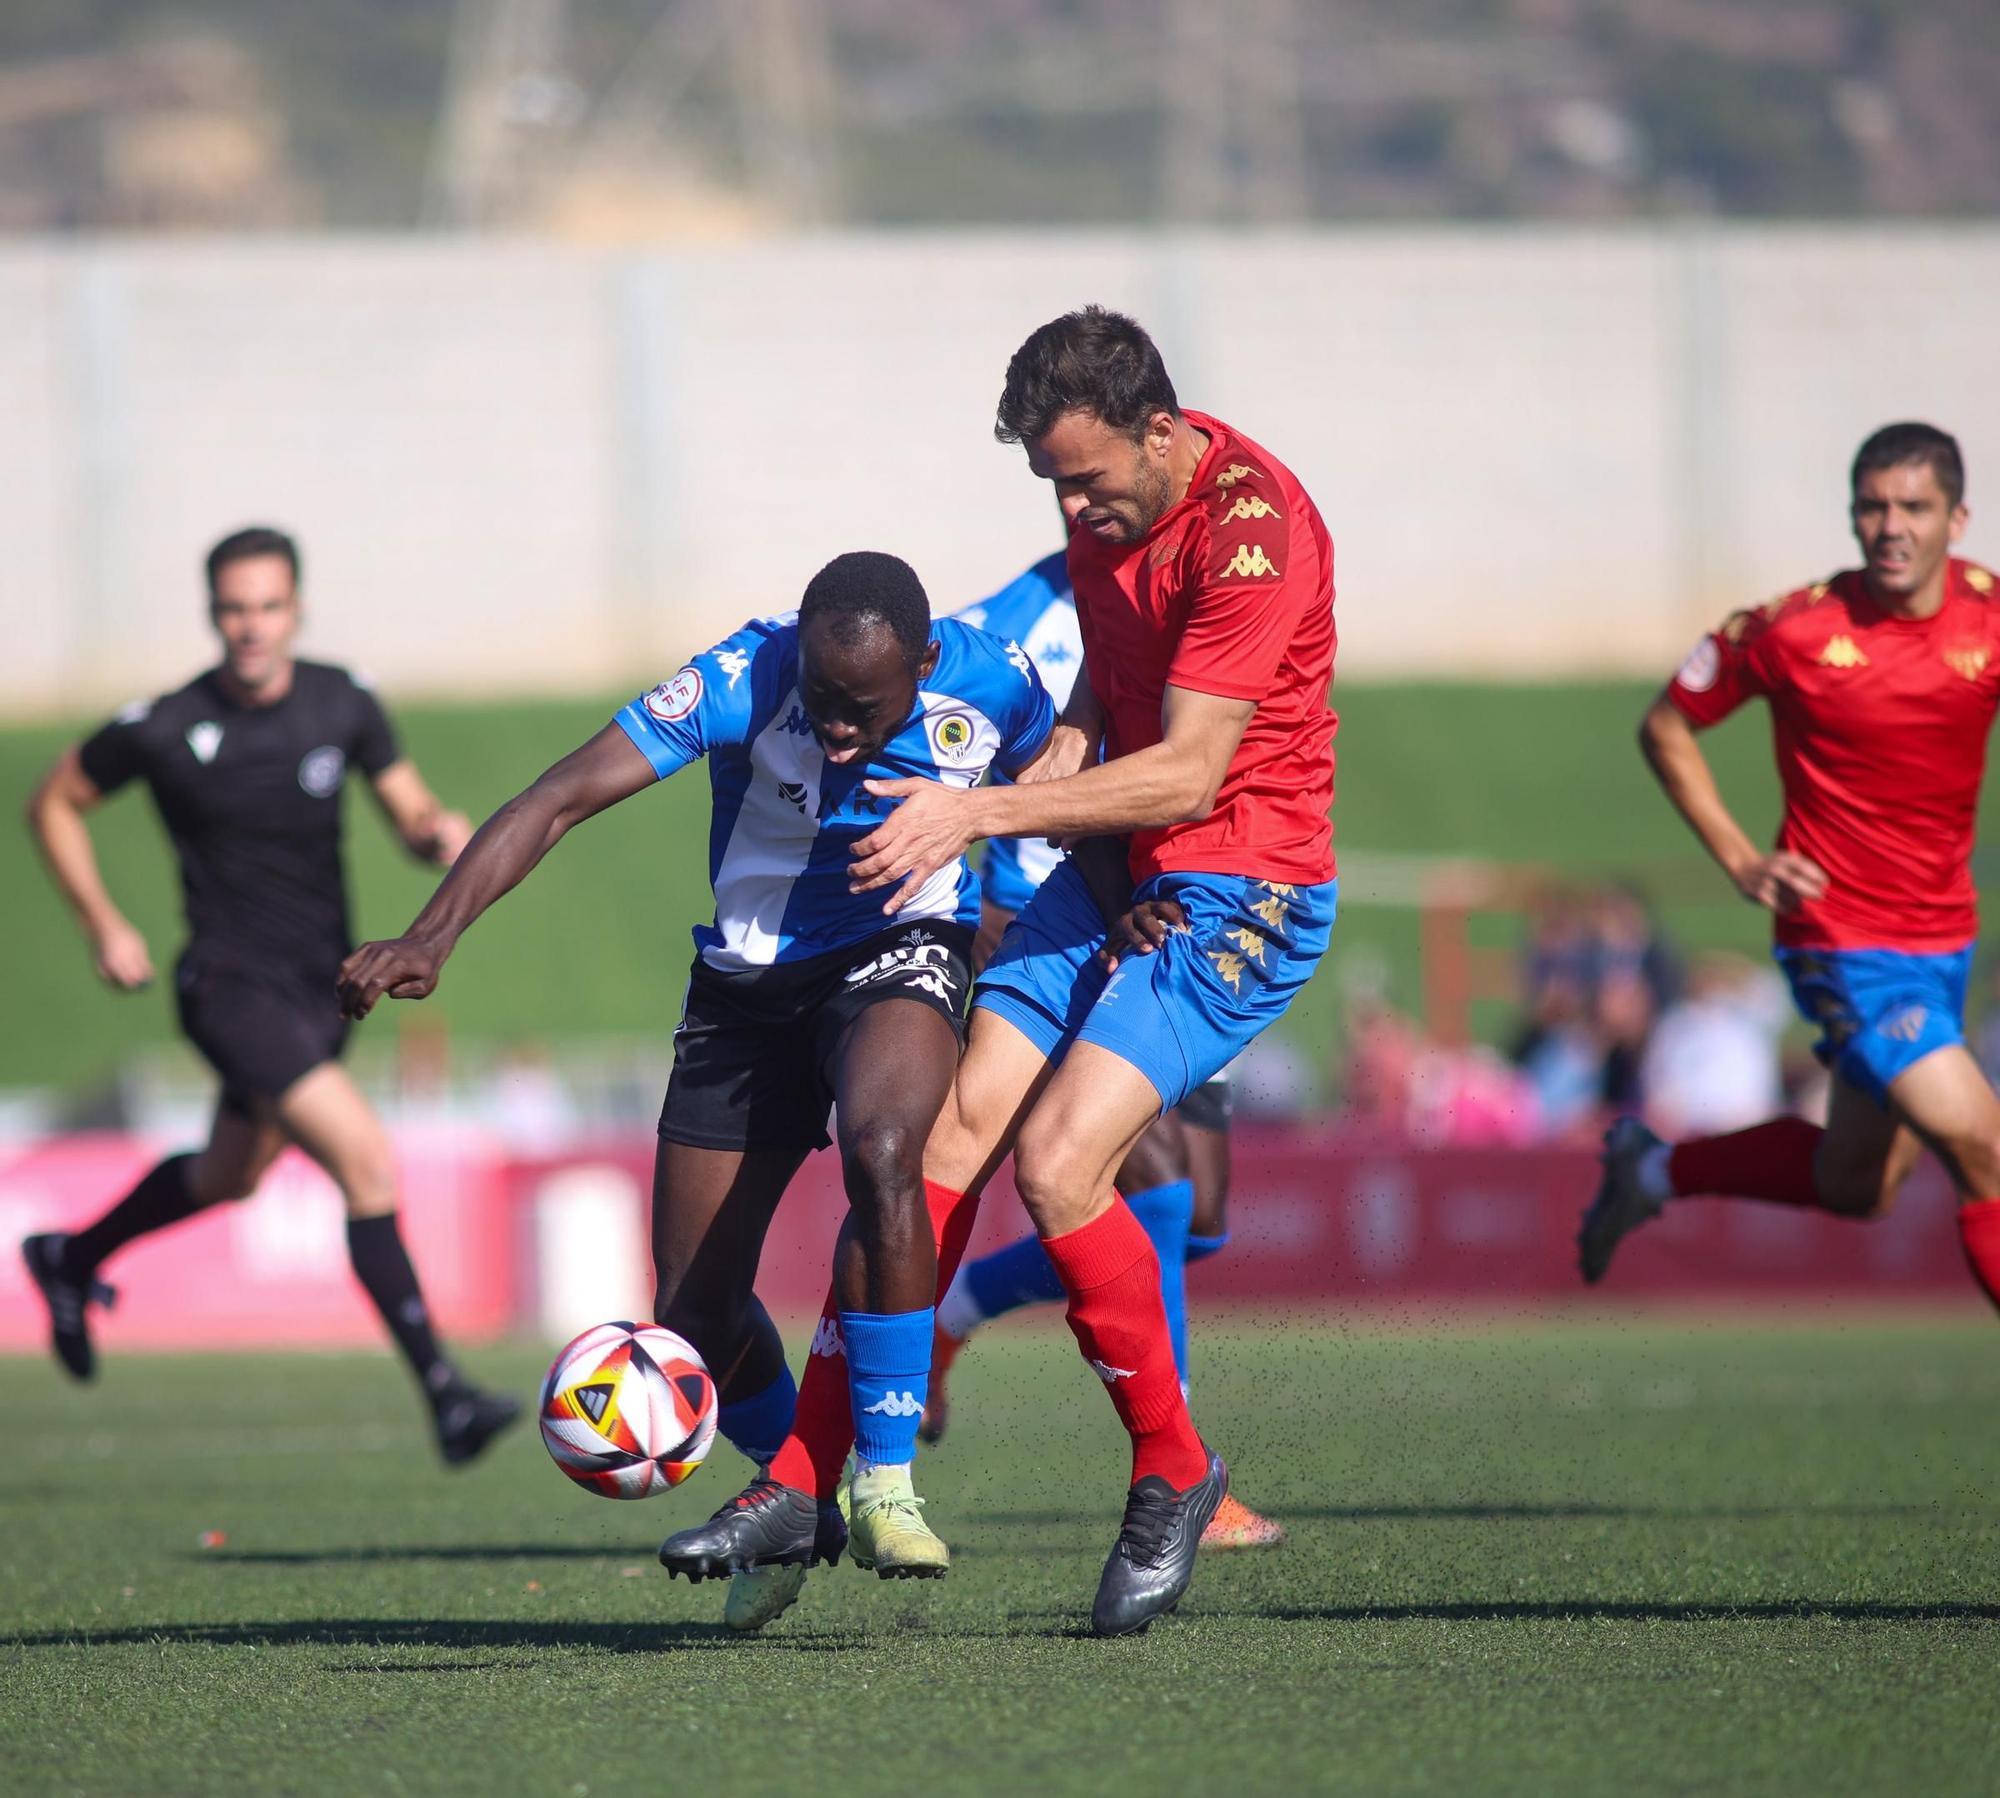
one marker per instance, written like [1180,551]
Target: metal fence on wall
[518,467]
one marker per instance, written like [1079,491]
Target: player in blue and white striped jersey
[799,1000]
[1176,1179]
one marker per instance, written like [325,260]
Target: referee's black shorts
[753,1057]
[259,1026]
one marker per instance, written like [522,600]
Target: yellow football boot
[887,1531]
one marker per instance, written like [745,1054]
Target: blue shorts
[1879,1011]
[1181,1014]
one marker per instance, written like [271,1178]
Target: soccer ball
[628,1410]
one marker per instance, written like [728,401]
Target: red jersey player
[1204,587]
[1882,684]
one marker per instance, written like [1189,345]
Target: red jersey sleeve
[1722,671]
[1243,613]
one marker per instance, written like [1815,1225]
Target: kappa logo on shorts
[895,1404]
[321,771]
[924,963]
[672,700]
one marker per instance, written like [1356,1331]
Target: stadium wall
[1319,1225]
[518,467]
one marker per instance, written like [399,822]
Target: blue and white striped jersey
[1036,611]
[785,820]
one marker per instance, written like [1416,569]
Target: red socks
[1120,1322]
[823,1422]
[1979,1233]
[1768,1161]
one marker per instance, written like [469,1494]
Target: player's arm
[608,768]
[1172,781]
[1078,738]
[55,816]
[429,831]
[1778,879]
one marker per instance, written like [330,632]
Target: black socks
[382,1265]
[162,1198]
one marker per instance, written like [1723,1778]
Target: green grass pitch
[1646,1556]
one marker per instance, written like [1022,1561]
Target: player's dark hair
[1894,445]
[866,589]
[1094,361]
[255,540]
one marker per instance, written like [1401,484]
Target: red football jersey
[1231,593]
[1881,727]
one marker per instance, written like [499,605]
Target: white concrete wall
[517,467]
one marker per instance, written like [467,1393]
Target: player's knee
[882,1162]
[1976,1158]
[222,1183]
[1056,1186]
[713,1321]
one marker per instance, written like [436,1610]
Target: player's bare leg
[1947,1100]
[323,1111]
[239,1150]
[1080,1131]
[891,1070]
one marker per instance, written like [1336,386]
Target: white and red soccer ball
[628,1410]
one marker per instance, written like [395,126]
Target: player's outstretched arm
[430,832]
[55,816]
[1169,782]
[605,770]
[1778,880]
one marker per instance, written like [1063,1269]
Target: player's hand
[405,967]
[1062,755]
[1781,881]
[1142,930]
[123,960]
[928,830]
[449,837]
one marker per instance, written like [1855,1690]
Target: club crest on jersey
[951,737]
[1250,562]
[1704,662]
[1162,553]
[1968,660]
[1842,652]
[204,739]
[672,700]
[321,770]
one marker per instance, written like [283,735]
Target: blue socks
[1199,1248]
[1020,1274]
[759,1424]
[1164,1213]
[888,1378]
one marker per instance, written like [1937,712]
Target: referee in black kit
[246,765]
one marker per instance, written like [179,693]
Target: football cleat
[67,1299]
[1235,1525]
[767,1524]
[1622,1203]
[937,1402]
[889,1534]
[761,1595]
[1153,1558]
[468,1419]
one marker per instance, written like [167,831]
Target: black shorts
[1210,1106]
[753,1057]
[260,1028]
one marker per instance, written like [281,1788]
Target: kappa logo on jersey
[1704,662]
[1842,652]
[896,1404]
[1250,562]
[951,737]
[673,700]
[1057,654]
[1019,657]
[1235,472]
[796,723]
[1980,580]
[1250,505]
[1108,1374]
[321,770]
[1968,660]
[733,662]
[204,739]
[826,1339]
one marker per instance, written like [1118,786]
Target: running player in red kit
[1882,684]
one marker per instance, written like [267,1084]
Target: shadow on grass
[400,1633]
[1558,1513]
[422,1551]
[1628,1610]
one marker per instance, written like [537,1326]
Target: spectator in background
[1713,1063]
